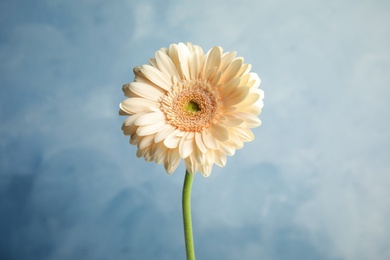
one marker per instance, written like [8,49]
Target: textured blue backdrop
[313,185]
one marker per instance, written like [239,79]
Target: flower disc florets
[191,106]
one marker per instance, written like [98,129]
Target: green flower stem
[189,241]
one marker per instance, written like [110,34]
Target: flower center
[191,106]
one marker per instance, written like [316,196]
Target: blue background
[314,184]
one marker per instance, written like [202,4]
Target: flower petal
[219,132]
[156,76]
[232,70]
[163,133]
[150,118]
[184,58]
[209,140]
[213,61]
[145,90]
[166,65]
[138,105]
[172,140]
[149,129]
[236,96]
[186,146]
[199,142]
[173,160]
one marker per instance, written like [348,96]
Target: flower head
[192,106]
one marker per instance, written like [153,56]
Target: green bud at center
[192,106]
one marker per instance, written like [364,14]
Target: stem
[189,241]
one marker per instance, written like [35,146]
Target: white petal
[145,90]
[145,141]
[150,118]
[209,140]
[156,76]
[131,119]
[172,140]
[139,105]
[184,58]
[244,133]
[227,58]
[230,120]
[186,146]
[220,158]
[166,65]
[250,120]
[199,142]
[159,152]
[172,161]
[228,88]
[235,97]
[163,133]
[213,58]
[227,149]
[190,164]
[219,132]
[232,70]
[150,129]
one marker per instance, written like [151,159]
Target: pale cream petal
[150,118]
[219,132]
[213,61]
[157,77]
[145,141]
[131,119]
[228,88]
[186,146]
[231,120]
[251,121]
[227,149]
[250,99]
[166,65]
[173,139]
[227,58]
[129,130]
[209,140]
[214,81]
[139,105]
[126,89]
[220,158]
[145,90]
[123,113]
[254,80]
[245,68]
[163,133]
[254,110]
[190,164]
[235,97]
[185,59]
[159,152]
[199,142]
[194,67]
[199,156]
[173,160]
[149,129]
[173,53]
[245,134]
[152,62]
[231,71]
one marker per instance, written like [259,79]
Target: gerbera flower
[192,106]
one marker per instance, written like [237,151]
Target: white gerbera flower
[193,106]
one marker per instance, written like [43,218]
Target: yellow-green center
[192,106]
